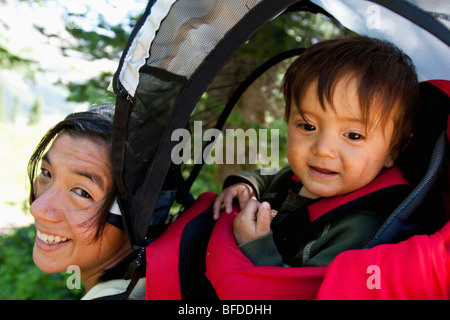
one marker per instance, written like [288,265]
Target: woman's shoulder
[116,287]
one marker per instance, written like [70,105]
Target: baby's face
[331,152]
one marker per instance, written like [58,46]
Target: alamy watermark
[373,20]
[74,280]
[374,280]
[236,146]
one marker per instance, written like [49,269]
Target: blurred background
[57,57]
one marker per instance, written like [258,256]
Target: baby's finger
[228,201]
[217,206]
[244,225]
[243,199]
[264,219]
[249,211]
[245,195]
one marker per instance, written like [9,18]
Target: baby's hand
[252,222]
[242,191]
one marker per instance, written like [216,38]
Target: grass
[20,279]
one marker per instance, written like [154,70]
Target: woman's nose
[48,206]
[325,146]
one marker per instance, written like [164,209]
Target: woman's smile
[50,239]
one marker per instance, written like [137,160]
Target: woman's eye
[82,193]
[45,173]
[354,136]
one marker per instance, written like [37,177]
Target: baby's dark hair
[386,79]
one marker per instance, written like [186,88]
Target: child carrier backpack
[176,54]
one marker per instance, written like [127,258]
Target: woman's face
[75,178]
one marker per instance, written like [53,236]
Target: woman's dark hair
[95,124]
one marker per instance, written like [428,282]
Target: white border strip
[115,209]
[138,51]
[429,54]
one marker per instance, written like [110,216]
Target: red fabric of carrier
[163,278]
[234,276]
[417,268]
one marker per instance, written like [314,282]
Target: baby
[350,106]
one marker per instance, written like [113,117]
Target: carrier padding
[176,259]
[234,276]
[415,269]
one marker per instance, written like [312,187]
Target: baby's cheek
[363,164]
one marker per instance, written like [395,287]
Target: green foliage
[103,41]
[9,60]
[2,107]
[20,279]
[93,90]
[36,112]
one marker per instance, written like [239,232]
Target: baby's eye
[82,193]
[307,127]
[354,136]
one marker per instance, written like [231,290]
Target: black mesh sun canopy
[179,46]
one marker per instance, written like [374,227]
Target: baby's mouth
[323,171]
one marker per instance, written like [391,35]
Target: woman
[72,191]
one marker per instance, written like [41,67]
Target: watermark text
[236,146]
